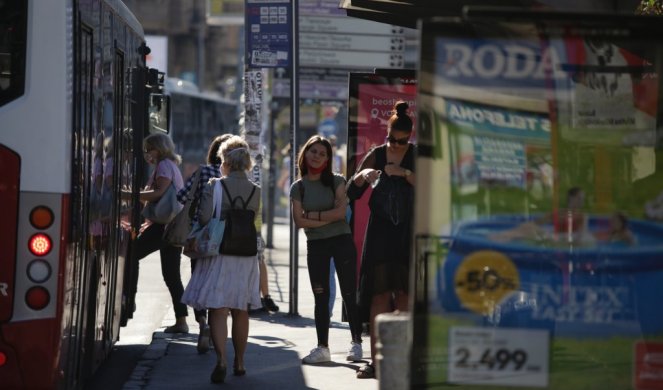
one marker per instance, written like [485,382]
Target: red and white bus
[74,102]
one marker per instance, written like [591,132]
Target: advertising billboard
[539,180]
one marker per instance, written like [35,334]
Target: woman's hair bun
[401,108]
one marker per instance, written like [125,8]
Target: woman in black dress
[385,265]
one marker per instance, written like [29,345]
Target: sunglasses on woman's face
[400,141]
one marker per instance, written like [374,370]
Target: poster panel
[539,185]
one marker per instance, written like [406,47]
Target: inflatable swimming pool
[593,290]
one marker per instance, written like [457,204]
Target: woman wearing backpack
[223,283]
[319,206]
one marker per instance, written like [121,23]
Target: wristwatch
[407,172]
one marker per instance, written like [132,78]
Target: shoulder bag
[177,231]
[205,241]
[166,208]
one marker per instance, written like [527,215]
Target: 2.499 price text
[500,359]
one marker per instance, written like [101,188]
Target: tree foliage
[650,7]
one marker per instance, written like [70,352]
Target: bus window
[13,19]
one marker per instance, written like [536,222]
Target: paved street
[277,341]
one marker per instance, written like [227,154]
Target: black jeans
[150,240]
[319,253]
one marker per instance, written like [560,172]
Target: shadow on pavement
[193,370]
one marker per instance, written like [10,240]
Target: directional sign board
[314,83]
[331,45]
[329,38]
[347,58]
[337,24]
[312,41]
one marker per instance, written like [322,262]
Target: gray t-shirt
[318,197]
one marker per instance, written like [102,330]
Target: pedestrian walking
[225,283]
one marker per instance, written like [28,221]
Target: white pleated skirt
[224,281]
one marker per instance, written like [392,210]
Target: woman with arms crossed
[319,206]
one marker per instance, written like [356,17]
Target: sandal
[219,374]
[237,370]
[366,372]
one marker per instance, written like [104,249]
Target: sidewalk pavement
[277,341]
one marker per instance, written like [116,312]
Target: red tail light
[3,358]
[40,244]
[37,298]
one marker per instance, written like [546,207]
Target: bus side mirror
[159,113]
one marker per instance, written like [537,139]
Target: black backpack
[240,236]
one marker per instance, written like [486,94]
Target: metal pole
[294,127]
[200,24]
[269,241]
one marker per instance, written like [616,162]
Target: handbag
[393,200]
[165,209]
[205,241]
[177,231]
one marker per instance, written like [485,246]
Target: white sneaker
[355,353]
[317,355]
